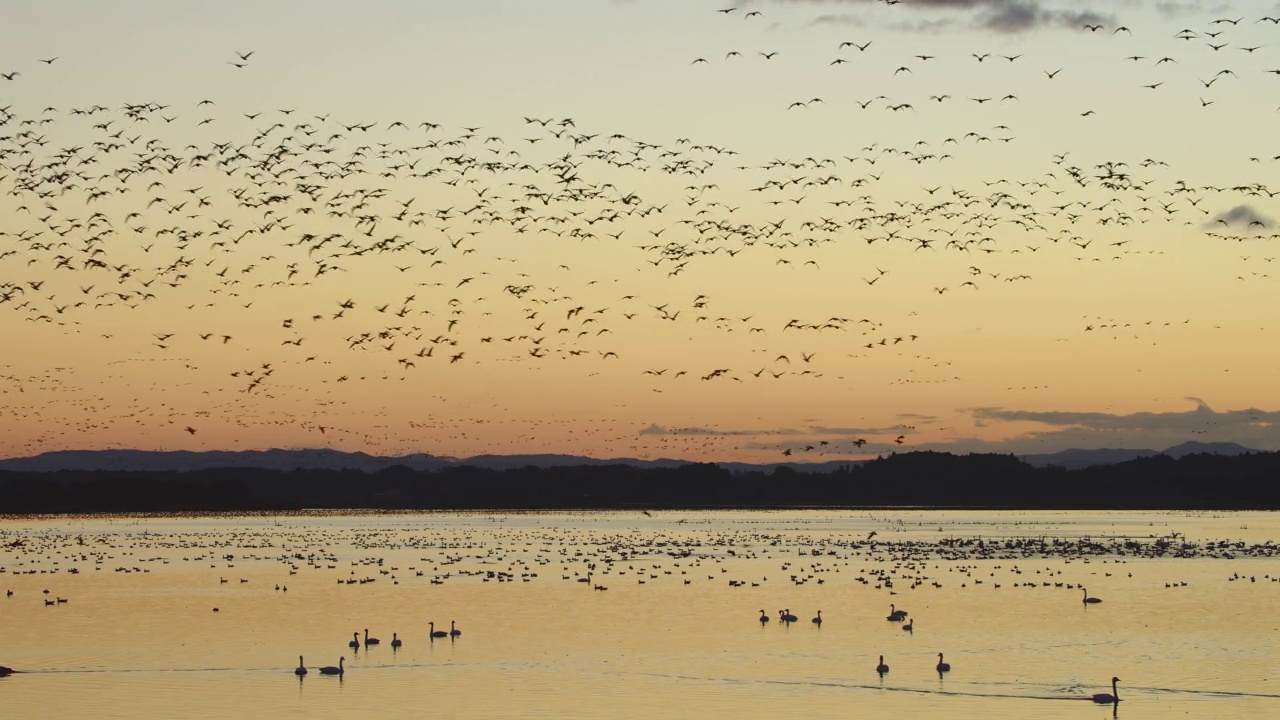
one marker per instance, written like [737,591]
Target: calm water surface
[667,626]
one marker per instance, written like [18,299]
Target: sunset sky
[649,228]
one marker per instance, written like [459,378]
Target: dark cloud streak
[1000,16]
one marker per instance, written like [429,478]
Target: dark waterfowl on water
[1111,697]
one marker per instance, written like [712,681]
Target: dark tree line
[909,479]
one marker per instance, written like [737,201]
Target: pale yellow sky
[1008,261]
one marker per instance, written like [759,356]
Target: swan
[437,633]
[395,641]
[896,615]
[910,627]
[301,669]
[817,620]
[764,617]
[5,671]
[882,668]
[331,670]
[788,616]
[943,666]
[453,631]
[1111,697]
[355,641]
[370,641]
[1090,600]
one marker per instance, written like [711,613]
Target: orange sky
[628,252]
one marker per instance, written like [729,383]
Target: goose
[896,615]
[1090,600]
[453,631]
[1111,697]
[355,641]
[764,617]
[370,641]
[395,641]
[882,668]
[817,620]
[301,669]
[437,633]
[943,666]
[331,670]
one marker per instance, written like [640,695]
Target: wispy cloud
[839,19]
[1196,419]
[1241,216]
[1001,16]
[655,429]
[1059,430]
[1251,427]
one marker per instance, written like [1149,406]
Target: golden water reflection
[676,633]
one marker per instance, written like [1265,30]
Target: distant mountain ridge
[1075,458]
[325,459]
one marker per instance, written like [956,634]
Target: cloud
[1001,16]
[655,429]
[1170,8]
[1251,427]
[1241,216]
[1014,17]
[840,19]
[1195,419]
[822,430]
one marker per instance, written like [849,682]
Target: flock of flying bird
[281,256]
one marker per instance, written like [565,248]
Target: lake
[667,625]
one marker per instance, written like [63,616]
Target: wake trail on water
[995,694]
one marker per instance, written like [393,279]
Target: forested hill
[915,479]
